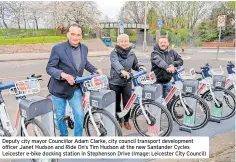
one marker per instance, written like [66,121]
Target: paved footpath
[219,145]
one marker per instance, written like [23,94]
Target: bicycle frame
[86,88]
[20,89]
[231,78]
[6,123]
[176,89]
[88,108]
[206,84]
[138,80]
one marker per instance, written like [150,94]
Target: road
[12,71]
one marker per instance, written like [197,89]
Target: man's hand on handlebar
[125,74]
[143,68]
[69,78]
[99,71]
[171,69]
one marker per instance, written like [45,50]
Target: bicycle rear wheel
[162,125]
[202,112]
[228,97]
[110,126]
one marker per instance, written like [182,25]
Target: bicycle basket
[190,75]
[25,87]
[96,83]
[217,71]
[151,79]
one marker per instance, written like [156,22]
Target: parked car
[107,41]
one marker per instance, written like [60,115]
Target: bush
[197,42]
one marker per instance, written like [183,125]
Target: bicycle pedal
[103,131]
[220,104]
[66,118]
[151,118]
[189,110]
[70,124]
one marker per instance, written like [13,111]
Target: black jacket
[61,60]
[160,61]
[122,59]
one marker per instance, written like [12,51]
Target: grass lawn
[33,40]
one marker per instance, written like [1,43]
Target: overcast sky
[110,8]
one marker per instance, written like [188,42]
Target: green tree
[208,30]
[151,17]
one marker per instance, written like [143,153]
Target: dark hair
[75,25]
[163,36]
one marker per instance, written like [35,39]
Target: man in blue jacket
[68,60]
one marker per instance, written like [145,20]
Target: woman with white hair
[123,60]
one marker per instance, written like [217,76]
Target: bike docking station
[34,106]
[144,90]
[98,96]
[147,90]
[153,92]
[216,106]
[189,86]
[105,99]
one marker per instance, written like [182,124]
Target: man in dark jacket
[68,60]
[164,60]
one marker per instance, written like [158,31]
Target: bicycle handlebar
[134,75]
[85,78]
[230,64]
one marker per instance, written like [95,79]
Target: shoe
[127,125]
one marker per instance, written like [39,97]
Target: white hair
[122,37]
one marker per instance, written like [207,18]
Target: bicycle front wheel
[228,105]
[231,89]
[105,122]
[37,129]
[162,121]
[200,116]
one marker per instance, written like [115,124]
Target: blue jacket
[61,60]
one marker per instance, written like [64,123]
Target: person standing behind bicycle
[163,61]
[68,60]
[123,60]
